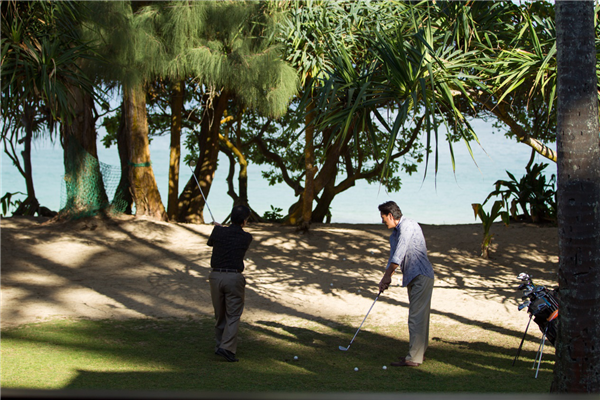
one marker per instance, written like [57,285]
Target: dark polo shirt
[229,247]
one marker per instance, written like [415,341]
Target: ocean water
[439,199]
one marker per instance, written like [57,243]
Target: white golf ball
[358,291]
[295,357]
[384,367]
[331,284]
[356,368]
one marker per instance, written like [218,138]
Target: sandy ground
[136,268]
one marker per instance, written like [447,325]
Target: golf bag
[541,304]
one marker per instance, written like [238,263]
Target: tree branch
[499,111]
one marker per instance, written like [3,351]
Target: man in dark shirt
[408,251]
[227,283]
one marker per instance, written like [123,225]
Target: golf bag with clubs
[542,306]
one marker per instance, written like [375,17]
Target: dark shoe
[404,363]
[229,356]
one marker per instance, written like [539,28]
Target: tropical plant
[414,74]
[41,55]
[274,215]
[487,219]
[311,32]
[7,202]
[535,196]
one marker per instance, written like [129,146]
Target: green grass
[179,355]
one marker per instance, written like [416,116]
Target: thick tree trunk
[577,366]
[177,99]
[322,212]
[86,194]
[191,202]
[327,173]
[141,176]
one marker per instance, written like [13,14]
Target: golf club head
[342,348]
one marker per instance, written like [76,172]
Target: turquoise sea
[442,199]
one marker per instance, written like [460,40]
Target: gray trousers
[420,290]
[227,290]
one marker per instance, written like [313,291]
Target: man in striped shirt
[408,251]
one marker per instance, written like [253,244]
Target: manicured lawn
[179,355]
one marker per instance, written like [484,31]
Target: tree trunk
[577,366]
[327,173]
[141,176]
[242,199]
[191,202]
[177,99]
[322,212]
[30,205]
[311,170]
[123,201]
[86,194]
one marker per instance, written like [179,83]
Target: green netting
[89,185]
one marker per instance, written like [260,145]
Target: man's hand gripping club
[387,277]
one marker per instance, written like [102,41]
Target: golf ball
[356,368]
[358,291]
[384,367]
[295,357]
[331,284]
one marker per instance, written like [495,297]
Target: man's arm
[387,277]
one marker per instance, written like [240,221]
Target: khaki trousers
[227,292]
[420,290]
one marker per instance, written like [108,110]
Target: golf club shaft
[365,318]
[199,188]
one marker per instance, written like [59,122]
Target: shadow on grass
[178,355]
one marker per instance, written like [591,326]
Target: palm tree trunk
[141,176]
[577,366]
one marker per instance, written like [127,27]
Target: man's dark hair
[390,207]
[239,214]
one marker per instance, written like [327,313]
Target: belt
[234,271]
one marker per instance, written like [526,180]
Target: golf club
[342,348]
[193,164]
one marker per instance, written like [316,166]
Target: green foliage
[533,194]
[274,215]
[223,46]
[487,219]
[7,202]
[41,58]
[411,73]
[283,150]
